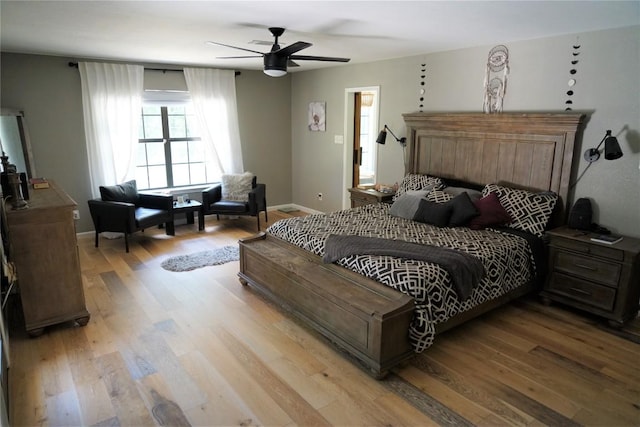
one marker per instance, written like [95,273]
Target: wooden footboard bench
[368,320]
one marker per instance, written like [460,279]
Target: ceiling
[175,32]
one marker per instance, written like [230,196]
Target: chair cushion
[230,207]
[236,187]
[146,217]
[125,192]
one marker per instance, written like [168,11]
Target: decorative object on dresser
[361,197]
[373,322]
[600,278]
[44,248]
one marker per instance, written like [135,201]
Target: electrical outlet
[320,196]
[76,214]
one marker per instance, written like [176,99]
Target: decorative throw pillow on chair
[236,187]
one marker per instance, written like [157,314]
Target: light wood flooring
[197,348]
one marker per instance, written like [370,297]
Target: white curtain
[112,103]
[213,94]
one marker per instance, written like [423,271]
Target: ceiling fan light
[274,72]
[275,65]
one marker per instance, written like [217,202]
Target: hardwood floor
[197,348]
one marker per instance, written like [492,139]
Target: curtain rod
[164,70]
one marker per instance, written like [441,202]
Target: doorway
[360,148]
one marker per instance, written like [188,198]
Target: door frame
[347,153]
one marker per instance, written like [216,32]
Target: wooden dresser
[595,277]
[44,249]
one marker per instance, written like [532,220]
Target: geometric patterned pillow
[439,196]
[529,211]
[414,181]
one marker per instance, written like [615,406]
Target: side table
[188,208]
[599,278]
[361,197]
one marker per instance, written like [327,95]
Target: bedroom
[609,59]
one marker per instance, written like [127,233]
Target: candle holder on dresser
[11,185]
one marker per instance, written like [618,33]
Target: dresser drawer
[589,249]
[583,291]
[590,268]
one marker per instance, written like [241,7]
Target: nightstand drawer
[590,249]
[580,290]
[590,268]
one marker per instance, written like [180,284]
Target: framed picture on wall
[317,116]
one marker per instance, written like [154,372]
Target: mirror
[14,140]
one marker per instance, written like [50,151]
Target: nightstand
[595,277]
[361,197]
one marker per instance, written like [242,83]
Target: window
[170,150]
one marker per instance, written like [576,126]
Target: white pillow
[236,187]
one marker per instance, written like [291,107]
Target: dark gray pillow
[125,192]
[407,204]
[437,214]
[473,194]
[463,210]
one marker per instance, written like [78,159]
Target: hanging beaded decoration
[495,79]
[422,89]
[572,79]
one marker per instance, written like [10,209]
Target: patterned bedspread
[507,260]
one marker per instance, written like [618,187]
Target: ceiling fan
[277,60]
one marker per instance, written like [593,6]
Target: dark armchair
[213,202]
[122,209]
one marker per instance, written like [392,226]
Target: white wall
[608,89]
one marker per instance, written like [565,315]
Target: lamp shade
[612,149]
[382,137]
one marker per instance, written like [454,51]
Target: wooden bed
[369,320]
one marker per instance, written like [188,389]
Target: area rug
[201,259]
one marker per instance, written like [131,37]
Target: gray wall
[49,93]
[296,164]
[608,89]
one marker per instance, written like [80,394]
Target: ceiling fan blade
[234,47]
[319,58]
[238,57]
[292,48]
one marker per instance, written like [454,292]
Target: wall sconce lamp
[612,149]
[382,136]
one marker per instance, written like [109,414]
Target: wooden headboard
[524,150]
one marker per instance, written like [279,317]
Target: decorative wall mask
[495,80]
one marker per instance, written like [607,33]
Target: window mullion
[167,144]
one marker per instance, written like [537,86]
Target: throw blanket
[466,271]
